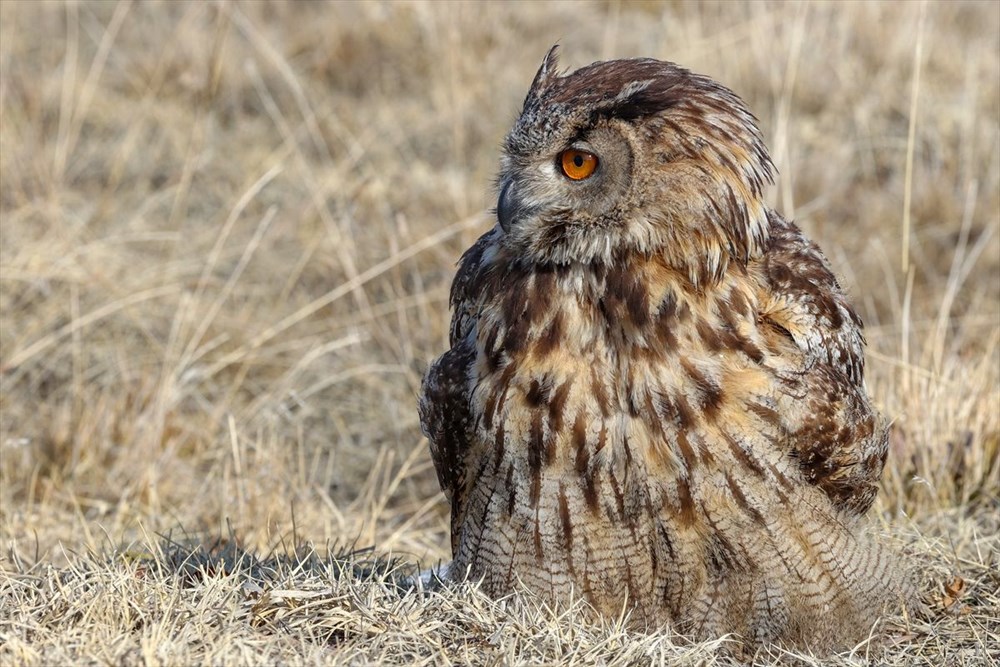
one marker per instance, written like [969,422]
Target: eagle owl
[654,394]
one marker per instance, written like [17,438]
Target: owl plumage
[654,394]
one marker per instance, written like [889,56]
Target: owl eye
[577,165]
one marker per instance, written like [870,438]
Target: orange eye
[577,165]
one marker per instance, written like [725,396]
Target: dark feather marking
[591,491]
[686,510]
[655,419]
[600,393]
[537,536]
[494,353]
[536,453]
[536,446]
[738,303]
[499,446]
[769,415]
[619,496]
[511,489]
[710,394]
[557,405]
[538,393]
[741,500]
[539,301]
[686,452]
[552,336]
[580,442]
[489,409]
[673,410]
[709,336]
[744,458]
[567,523]
[516,336]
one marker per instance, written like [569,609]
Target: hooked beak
[508,207]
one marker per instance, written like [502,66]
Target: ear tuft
[545,75]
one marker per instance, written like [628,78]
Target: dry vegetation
[228,231]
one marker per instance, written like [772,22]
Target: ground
[227,231]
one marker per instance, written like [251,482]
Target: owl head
[634,156]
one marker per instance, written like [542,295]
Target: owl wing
[833,431]
[445,410]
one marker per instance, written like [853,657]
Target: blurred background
[228,229]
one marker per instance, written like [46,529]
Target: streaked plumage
[654,393]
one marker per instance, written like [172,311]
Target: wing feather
[444,405]
[838,438]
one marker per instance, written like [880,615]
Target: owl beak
[508,208]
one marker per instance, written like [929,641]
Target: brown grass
[228,231]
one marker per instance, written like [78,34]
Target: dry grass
[228,230]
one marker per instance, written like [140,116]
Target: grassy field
[228,231]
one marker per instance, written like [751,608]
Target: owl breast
[625,439]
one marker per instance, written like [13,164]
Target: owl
[654,397]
